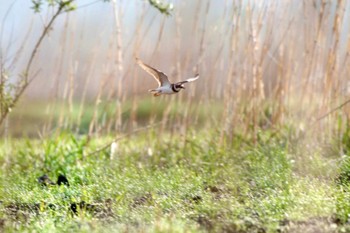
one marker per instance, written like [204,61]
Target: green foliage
[343,181]
[66,5]
[345,140]
[164,8]
[69,5]
[155,184]
[6,90]
[37,5]
[7,96]
[343,178]
[343,204]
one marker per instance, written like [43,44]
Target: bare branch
[122,137]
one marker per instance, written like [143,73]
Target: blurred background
[262,65]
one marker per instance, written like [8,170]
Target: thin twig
[44,33]
[122,137]
[301,136]
[331,111]
[87,4]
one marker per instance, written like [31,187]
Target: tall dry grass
[267,63]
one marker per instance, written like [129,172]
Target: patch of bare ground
[219,223]
[22,212]
[2,224]
[146,199]
[312,225]
[100,209]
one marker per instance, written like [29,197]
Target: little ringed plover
[165,87]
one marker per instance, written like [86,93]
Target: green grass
[29,118]
[162,186]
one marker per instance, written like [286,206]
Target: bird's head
[180,86]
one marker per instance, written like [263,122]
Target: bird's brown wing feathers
[158,75]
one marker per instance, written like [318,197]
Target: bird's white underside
[163,89]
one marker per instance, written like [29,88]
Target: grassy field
[31,118]
[172,184]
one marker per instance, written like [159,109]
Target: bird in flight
[165,86]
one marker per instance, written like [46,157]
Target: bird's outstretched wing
[189,80]
[159,76]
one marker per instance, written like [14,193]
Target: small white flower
[149,151]
[114,148]
[301,127]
